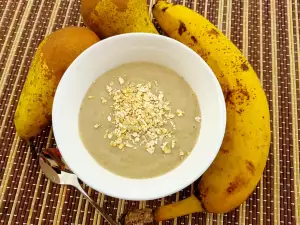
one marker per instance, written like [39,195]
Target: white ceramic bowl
[113,52]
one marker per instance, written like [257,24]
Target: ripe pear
[53,56]
[111,17]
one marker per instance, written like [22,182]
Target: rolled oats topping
[198,119]
[142,117]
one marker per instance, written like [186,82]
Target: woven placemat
[267,31]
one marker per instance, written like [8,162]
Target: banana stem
[187,206]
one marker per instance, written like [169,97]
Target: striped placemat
[267,31]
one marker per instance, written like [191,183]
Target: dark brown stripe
[53,195]
[177,2]
[7,21]
[3,5]
[81,210]
[53,192]
[224,16]
[252,207]
[31,180]
[74,14]
[189,4]
[15,25]
[237,23]
[9,192]
[287,197]
[268,179]
[62,10]
[232,217]
[111,206]
[297,63]
[33,186]
[91,209]
[212,11]
[70,206]
[73,201]
[200,8]
[88,211]
[27,192]
[180,2]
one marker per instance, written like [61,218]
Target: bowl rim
[164,192]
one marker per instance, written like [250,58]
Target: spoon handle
[102,212]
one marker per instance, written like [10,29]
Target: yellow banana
[239,165]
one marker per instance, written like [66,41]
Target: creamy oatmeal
[139,120]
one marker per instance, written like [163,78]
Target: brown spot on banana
[194,39]
[237,184]
[224,151]
[237,97]
[231,188]
[203,53]
[244,67]
[201,196]
[213,32]
[250,167]
[182,28]
[164,9]
[225,89]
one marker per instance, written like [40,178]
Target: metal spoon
[61,177]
